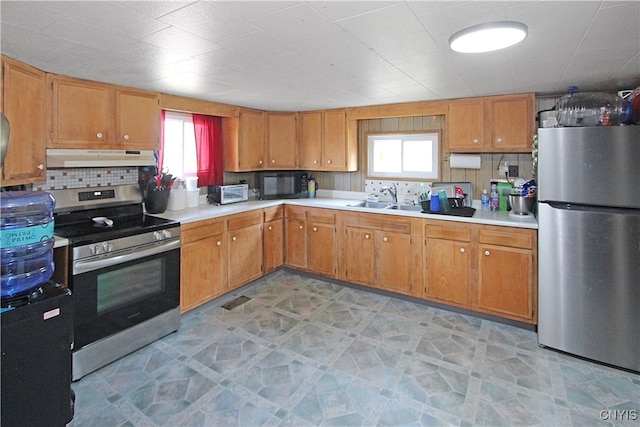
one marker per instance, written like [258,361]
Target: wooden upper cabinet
[80,114]
[324,145]
[491,124]
[137,119]
[243,138]
[93,115]
[24,105]
[281,142]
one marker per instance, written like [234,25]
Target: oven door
[111,299]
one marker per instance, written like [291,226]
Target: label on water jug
[14,237]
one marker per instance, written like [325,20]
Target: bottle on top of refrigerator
[26,246]
[494,199]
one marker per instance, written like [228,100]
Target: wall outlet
[514,170]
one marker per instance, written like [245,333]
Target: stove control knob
[157,235]
[166,234]
[93,249]
[108,246]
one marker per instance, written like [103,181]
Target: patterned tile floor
[305,352]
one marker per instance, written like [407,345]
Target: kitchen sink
[412,208]
[374,205]
[386,205]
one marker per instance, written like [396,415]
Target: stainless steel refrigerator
[589,243]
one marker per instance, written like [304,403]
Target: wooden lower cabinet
[203,260]
[507,275]
[448,263]
[273,238]
[310,240]
[244,240]
[382,251]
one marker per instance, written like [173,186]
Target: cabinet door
[137,120]
[24,95]
[273,245]
[281,141]
[311,141]
[81,115]
[393,261]
[465,125]
[296,242]
[506,276]
[202,272]
[251,140]
[360,252]
[335,140]
[448,270]
[512,123]
[245,255]
[321,249]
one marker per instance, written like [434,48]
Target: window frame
[184,116]
[437,156]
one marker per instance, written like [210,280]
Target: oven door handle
[80,267]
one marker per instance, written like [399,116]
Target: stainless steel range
[124,269]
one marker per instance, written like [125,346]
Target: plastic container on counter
[26,242]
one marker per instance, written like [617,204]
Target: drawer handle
[126,137]
[40,166]
[260,162]
[476,140]
[315,162]
[487,253]
[273,160]
[461,250]
[329,162]
[99,135]
[499,140]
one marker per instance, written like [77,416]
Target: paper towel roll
[464,161]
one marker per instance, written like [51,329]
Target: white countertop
[206,211]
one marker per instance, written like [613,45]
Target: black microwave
[283,185]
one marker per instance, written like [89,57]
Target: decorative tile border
[60,179]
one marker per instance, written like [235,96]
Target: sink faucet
[392,190]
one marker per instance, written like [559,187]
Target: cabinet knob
[366,236]
[99,135]
[259,162]
[219,243]
[300,227]
[499,140]
[384,239]
[234,238]
[476,140]
[126,137]
[315,162]
[461,250]
[269,228]
[328,162]
[315,228]
[40,166]
[487,253]
[273,160]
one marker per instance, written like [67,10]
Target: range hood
[72,158]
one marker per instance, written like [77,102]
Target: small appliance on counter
[283,185]
[225,194]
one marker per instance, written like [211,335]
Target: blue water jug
[26,241]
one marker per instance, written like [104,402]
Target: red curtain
[160,154]
[208,131]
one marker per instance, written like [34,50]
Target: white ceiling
[303,55]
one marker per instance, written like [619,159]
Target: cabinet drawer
[243,220]
[448,232]
[271,214]
[296,212]
[325,216]
[516,239]
[200,230]
[379,222]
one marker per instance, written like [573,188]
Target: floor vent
[236,302]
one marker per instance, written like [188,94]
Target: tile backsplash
[408,191]
[60,179]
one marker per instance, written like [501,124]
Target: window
[179,145]
[403,155]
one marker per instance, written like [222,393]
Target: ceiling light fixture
[488,37]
